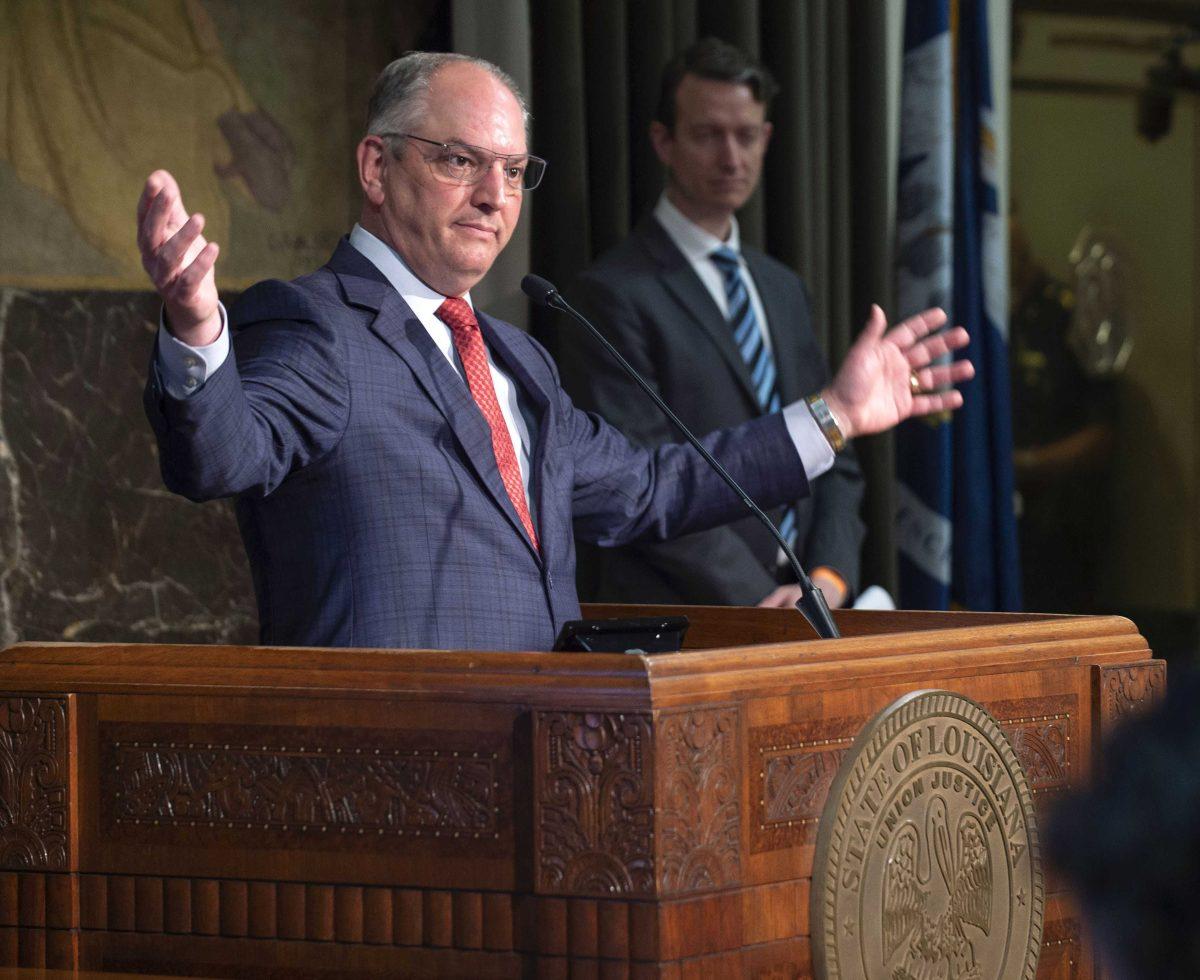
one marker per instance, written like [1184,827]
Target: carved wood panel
[699,800]
[1124,691]
[1041,731]
[794,768]
[796,763]
[34,783]
[334,787]
[593,803]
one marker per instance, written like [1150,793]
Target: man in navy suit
[662,297]
[407,470]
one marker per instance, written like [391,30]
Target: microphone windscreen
[538,289]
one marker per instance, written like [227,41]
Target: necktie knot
[725,259]
[457,314]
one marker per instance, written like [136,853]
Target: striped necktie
[748,336]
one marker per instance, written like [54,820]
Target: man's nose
[493,190]
[729,152]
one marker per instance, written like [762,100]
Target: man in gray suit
[724,332]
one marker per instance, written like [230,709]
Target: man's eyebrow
[475,146]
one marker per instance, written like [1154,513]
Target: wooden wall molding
[297,911]
[33,900]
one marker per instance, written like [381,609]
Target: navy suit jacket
[368,496]
[646,297]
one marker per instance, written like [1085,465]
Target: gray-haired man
[407,469]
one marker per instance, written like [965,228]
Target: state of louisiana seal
[927,860]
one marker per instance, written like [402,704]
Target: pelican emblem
[927,864]
[925,914]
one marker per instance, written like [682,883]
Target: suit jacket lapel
[684,285]
[398,327]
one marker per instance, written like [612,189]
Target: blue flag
[956,529]
[924,278]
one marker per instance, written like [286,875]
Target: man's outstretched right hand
[179,261]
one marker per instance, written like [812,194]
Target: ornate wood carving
[594,806]
[1042,749]
[1127,690]
[795,766]
[1041,730]
[699,800]
[34,783]
[340,785]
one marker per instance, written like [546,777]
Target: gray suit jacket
[649,302]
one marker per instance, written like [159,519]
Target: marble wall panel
[92,546]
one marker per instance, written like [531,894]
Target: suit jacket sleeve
[715,566]
[279,403]
[622,493]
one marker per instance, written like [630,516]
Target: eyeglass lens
[467,164]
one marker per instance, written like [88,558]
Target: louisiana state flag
[956,530]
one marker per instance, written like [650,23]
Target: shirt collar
[692,240]
[421,299]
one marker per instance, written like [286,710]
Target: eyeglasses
[462,163]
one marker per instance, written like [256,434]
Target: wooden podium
[253,812]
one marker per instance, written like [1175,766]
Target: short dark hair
[710,57]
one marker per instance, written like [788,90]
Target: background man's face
[450,234]
[716,152]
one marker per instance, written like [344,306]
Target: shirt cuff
[816,455]
[184,369]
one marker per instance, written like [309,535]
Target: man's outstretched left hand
[873,390]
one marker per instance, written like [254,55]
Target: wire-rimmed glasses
[462,163]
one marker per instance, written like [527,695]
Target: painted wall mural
[244,103]
[256,108]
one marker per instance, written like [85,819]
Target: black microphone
[812,603]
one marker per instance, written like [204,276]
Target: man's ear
[768,129]
[372,155]
[663,142]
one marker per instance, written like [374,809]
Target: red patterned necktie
[468,341]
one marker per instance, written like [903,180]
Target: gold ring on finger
[914,383]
